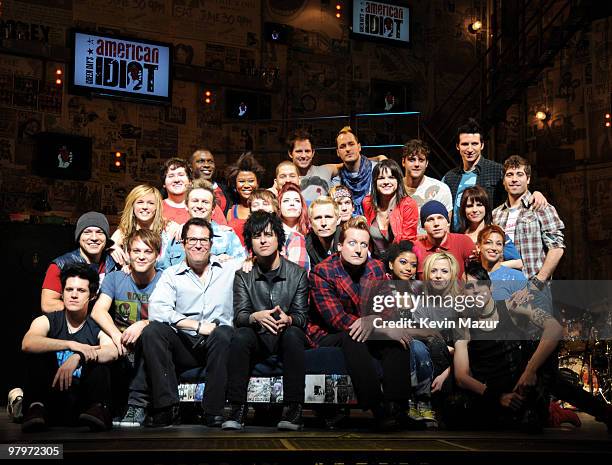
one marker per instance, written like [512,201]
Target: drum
[574,340]
[578,370]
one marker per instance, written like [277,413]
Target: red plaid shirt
[335,298]
[536,232]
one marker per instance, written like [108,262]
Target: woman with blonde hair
[441,279]
[142,210]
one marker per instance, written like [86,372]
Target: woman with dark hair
[474,214]
[392,215]
[401,261]
[243,177]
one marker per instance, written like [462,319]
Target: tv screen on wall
[62,156]
[383,20]
[107,65]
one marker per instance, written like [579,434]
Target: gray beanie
[93,219]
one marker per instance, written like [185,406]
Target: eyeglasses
[192,241]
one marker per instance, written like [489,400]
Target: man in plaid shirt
[336,290]
[537,234]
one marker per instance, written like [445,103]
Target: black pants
[129,381]
[360,363]
[248,348]
[166,353]
[64,407]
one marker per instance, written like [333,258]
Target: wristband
[539,284]
[199,326]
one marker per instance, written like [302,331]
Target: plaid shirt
[335,298]
[294,249]
[536,232]
[490,175]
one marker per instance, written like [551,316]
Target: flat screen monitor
[62,156]
[107,65]
[383,20]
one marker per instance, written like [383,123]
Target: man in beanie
[93,237]
[434,219]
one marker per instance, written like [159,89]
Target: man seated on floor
[122,312]
[336,320]
[92,235]
[191,311]
[68,379]
[270,312]
[503,384]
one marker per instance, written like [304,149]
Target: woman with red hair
[294,215]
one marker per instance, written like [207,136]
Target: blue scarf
[359,183]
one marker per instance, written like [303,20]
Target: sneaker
[292,418]
[236,417]
[427,414]
[35,419]
[13,405]
[212,421]
[134,417]
[166,416]
[97,418]
[413,411]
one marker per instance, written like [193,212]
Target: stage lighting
[475,27]
[542,115]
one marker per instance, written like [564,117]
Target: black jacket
[288,290]
[315,250]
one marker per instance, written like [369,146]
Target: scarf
[359,183]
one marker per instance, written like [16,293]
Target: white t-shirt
[513,214]
[432,189]
[316,182]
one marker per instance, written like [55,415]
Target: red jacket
[404,218]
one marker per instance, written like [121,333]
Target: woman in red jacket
[392,215]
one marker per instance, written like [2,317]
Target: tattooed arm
[551,334]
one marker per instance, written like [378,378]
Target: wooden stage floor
[264,445]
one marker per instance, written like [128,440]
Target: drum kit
[586,353]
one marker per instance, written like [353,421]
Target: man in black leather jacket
[270,315]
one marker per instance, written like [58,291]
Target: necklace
[488,315]
[71,329]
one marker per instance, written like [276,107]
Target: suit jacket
[335,298]
[288,290]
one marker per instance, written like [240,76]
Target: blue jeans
[421,368]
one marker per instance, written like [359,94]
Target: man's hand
[266,319]
[207,328]
[519,298]
[438,381]
[132,333]
[223,257]
[117,340]
[361,329]
[173,229]
[63,376]
[119,255]
[526,382]
[283,320]
[400,335]
[247,265]
[511,400]
[88,351]
[538,201]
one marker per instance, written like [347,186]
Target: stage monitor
[384,20]
[105,65]
[245,105]
[62,156]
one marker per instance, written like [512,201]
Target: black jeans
[167,353]
[64,407]
[247,349]
[360,363]
[129,381]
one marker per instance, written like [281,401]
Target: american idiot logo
[112,64]
[381,20]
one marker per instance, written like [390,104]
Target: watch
[540,285]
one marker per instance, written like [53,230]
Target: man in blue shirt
[191,311]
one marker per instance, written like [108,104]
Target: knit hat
[93,219]
[433,207]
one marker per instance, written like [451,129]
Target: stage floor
[198,444]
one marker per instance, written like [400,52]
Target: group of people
[222,274]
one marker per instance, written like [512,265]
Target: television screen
[62,156]
[241,104]
[381,20]
[110,65]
